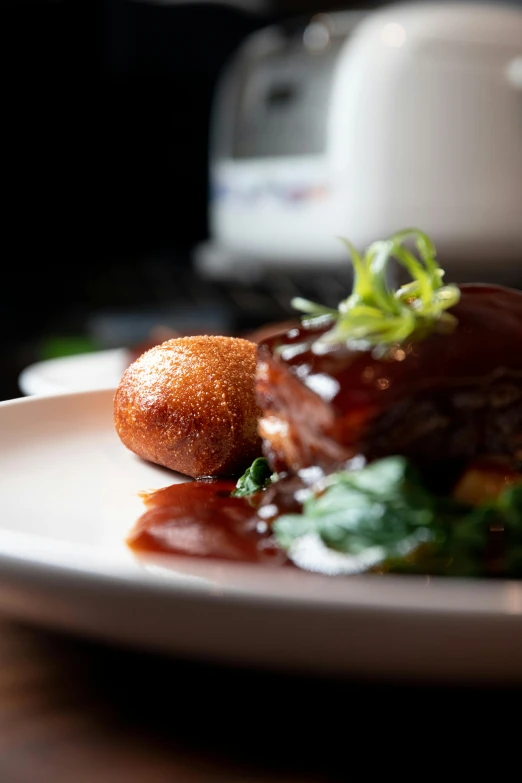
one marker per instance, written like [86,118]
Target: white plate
[81,372]
[68,496]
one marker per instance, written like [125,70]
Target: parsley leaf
[382,508]
[255,478]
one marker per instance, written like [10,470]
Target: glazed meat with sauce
[434,400]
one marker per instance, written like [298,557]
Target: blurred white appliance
[358,124]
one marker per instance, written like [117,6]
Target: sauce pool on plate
[201,519]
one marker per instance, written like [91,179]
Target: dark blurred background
[104,163]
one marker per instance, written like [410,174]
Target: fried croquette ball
[189,404]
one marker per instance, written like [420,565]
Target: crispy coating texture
[189,404]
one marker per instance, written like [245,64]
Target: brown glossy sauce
[202,520]
[486,343]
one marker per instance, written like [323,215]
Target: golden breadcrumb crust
[189,404]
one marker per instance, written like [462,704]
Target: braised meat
[445,397]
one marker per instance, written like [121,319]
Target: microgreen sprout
[376,315]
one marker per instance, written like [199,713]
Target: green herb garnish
[383,517]
[257,477]
[374,314]
[372,514]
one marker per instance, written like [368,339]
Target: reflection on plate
[82,372]
[68,496]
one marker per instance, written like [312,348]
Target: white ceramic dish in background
[82,372]
[359,123]
[68,496]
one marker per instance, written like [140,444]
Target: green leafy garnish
[372,514]
[257,477]
[374,314]
[382,516]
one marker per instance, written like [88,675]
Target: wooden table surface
[77,711]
